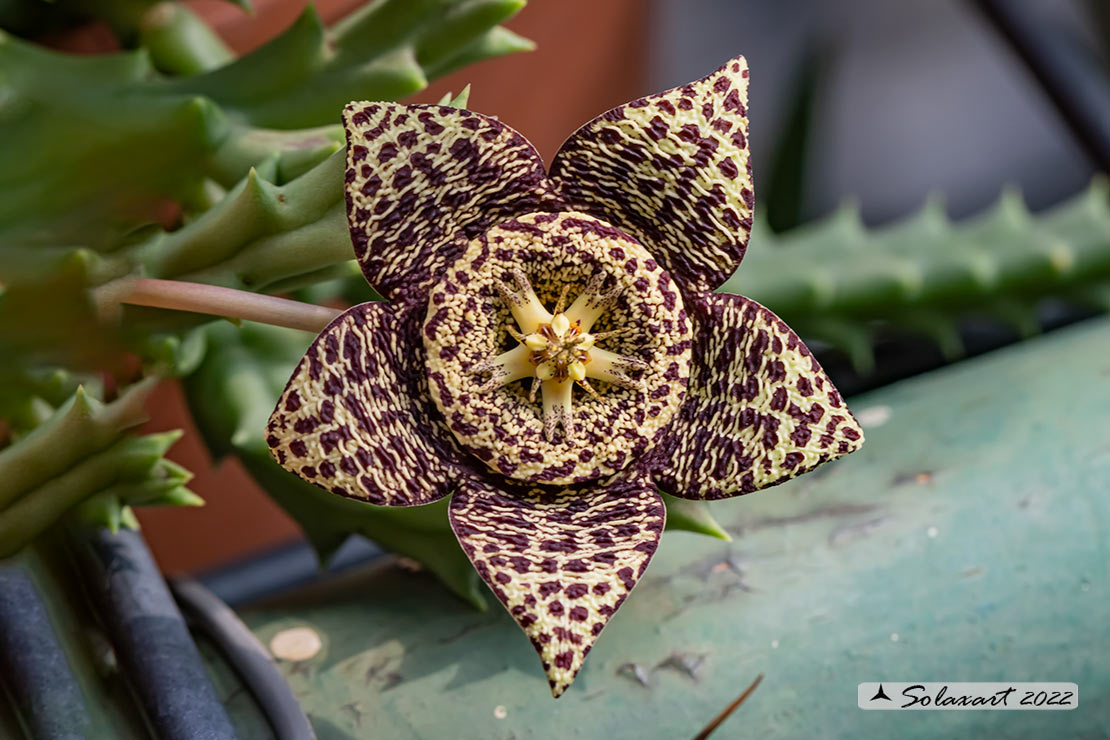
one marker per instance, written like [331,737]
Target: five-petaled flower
[555,491]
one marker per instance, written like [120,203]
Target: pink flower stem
[214,300]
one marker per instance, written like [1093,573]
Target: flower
[554,430]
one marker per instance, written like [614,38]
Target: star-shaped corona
[462,383]
[488,327]
[557,350]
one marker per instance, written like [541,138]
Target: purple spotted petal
[561,561]
[671,170]
[759,410]
[355,418]
[422,179]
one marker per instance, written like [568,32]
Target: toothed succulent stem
[179,42]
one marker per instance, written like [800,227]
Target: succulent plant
[837,281]
[199,168]
[83,457]
[174,159]
[414,400]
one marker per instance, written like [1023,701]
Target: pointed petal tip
[699,248]
[780,418]
[558,688]
[564,585]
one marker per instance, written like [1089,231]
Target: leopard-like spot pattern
[561,563]
[422,180]
[759,409]
[355,418]
[673,171]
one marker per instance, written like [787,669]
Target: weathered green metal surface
[968,541]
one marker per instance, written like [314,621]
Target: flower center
[560,350]
[617,333]
[557,349]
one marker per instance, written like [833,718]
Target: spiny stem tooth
[536,382]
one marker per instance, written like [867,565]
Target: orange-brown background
[589,58]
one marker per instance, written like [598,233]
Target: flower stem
[214,300]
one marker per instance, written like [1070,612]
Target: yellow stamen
[523,302]
[560,324]
[556,408]
[536,342]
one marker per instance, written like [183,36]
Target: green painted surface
[968,541]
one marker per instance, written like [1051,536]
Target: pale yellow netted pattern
[421,180]
[759,409]
[561,561]
[672,170]
[467,323]
[354,418]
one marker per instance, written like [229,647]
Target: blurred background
[876,102]
[932,184]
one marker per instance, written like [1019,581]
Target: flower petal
[422,180]
[671,170]
[355,418]
[562,561]
[759,410]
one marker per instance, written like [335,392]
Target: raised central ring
[505,351]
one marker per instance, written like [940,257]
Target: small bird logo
[880,694]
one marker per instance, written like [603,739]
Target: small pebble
[296,644]
[873,417]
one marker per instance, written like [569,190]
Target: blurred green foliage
[175,159]
[842,283]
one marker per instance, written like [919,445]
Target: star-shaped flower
[463,383]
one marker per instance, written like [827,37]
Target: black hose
[1078,91]
[33,666]
[153,646]
[214,619]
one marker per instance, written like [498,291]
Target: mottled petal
[424,179]
[759,409]
[671,170]
[356,419]
[562,561]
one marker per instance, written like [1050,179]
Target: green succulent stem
[213,300]
[129,459]
[179,42]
